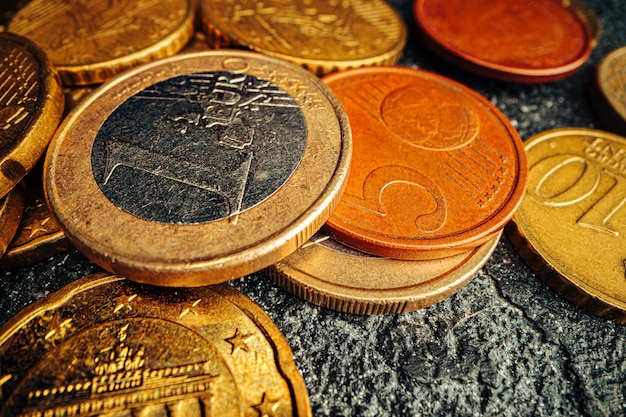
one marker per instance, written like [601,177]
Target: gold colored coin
[89,41]
[11,208]
[31,106]
[334,276]
[609,94]
[105,346]
[321,36]
[571,225]
[199,168]
[38,235]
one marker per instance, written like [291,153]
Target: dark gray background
[504,345]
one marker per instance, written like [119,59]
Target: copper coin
[512,40]
[199,168]
[331,275]
[436,168]
[31,106]
[105,346]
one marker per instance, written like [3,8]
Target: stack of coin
[511,40]
[437,172]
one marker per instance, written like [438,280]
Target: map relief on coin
[203,146]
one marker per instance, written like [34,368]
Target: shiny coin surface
[89,41]
[38,236]
[31,106]
[105,346]
[436,168]
[513,40]
[334,276]
[11,209]
[199,168]
[609,93]
[321,36]
[571,226]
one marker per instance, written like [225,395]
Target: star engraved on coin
[239,341]
[267,407]
[38,226]
[123,301]
[188,310]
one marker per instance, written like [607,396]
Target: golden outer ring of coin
[375,285]
[34,139]
[204,253]
[611,107]
[11,208]
[562,275]
[589,17]
[109,313]
[222,36]
[97,72]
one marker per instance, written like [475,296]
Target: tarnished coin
[31,106]
[513,40]
[436,168]
[321,36]
[89,41]
[11,209]
[571,226]
[105,346]
[609,92]
[332,275]
[38,235]
[199,168]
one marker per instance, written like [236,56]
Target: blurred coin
[89,41]
[609,91]
[571,226]
[105,346]
[31,105]
[436,170]
[11,209]
[513,40]
[38,236]
[332,275]
[321,36]
[199,168]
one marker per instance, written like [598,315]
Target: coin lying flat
[89,41]
[334,276]
[199,168]
[321,36]
[31,106]
[105,346]
[512,40]
[571,226]
[38,235]
[11,209]
[608,93]
[436,170]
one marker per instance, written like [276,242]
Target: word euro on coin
[199,168]
[106,346]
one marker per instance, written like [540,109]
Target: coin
[31,105]
[608,94]
[437,169]
[331,275]
[571,226]
[105,346]
[11,208]
[321,36]
[589,17]
[38,235]
[199,168]
[89,41]
[512,40]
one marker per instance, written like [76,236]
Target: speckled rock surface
[505,345]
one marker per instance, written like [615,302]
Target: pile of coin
[192,169]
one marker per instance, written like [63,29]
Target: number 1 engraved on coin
[218,139]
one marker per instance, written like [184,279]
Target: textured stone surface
[504,345]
